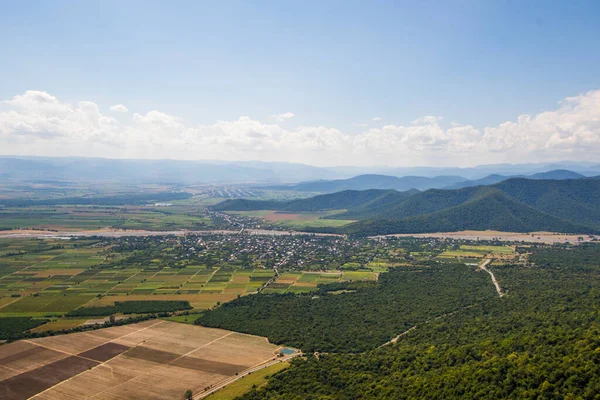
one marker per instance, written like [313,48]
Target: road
[483,266]
[243,374]
[532,237]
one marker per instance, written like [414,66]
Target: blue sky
[333,64]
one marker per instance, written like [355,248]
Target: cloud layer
[37,123]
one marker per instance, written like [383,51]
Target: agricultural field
[307,281]
[296,221]
[49,279]
[470,252]
[153,359]
[81,217]
[66,284]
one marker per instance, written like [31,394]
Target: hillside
[517,204]
[348,199]
[494,210]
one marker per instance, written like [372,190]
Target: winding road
[483,266]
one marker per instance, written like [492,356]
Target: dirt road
[532,237]
[243,374]
[483,266]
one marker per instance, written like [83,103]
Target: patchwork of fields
[96,217]
[473,253]
[56,278]
[47,279]
[302,281]
[153,360]
[297,220]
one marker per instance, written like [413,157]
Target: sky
[397,83]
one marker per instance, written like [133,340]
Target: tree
[188,395]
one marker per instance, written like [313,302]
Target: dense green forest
[493,210]
[541,341]
[363,317]
[13,327]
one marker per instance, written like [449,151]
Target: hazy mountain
[373,181]
[168,171]
[557,174]
[23,168]
[477,172]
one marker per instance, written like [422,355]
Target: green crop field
[52,277]
[98,217]
[488,249]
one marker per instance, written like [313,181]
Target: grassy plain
[477,251]
[306,281]
[98,217]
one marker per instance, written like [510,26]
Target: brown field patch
[72,344]
[105,352]
[22,356]
[152,359]
[148,354]
[29,383]
[213,367]
[7,372]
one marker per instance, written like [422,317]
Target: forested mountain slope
[492,211]
[348,199]
[518,204]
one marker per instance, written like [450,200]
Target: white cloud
[377,119]
[361,125]
[283,117]
[119,108]
[37,123]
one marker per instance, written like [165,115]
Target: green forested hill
[574,199]
[540,341]
[519,205]
[493,210]
[348,199]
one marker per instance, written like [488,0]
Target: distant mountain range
[31,169]
[557,174]
[516,204]
[79,169]
[373,181]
